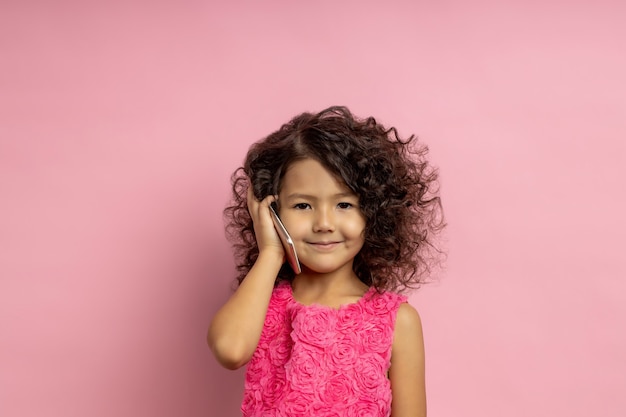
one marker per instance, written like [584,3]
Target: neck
[328,289]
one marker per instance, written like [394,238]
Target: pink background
[120,123]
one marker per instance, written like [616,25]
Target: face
[322,216]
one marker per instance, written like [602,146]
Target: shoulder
[282,292]
[408,319]
[408,334]
[383,303]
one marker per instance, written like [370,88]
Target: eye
[302,206]
[344,205]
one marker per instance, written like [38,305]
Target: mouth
[327,245]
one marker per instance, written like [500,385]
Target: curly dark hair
[398,193]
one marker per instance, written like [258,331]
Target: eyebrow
[311,197]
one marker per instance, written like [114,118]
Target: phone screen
[290,249]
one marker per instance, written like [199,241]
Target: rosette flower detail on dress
[319,361]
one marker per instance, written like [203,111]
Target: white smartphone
[290,249]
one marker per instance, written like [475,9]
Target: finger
[269,200]
[264,207]
[259,210]
[253,205]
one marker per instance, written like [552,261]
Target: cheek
[355,228]
[296,228]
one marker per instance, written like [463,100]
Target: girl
[338,339]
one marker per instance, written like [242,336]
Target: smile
[325,246]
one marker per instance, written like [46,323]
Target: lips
[324,245]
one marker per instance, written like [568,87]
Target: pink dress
[318,361]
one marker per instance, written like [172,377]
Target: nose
[324,220]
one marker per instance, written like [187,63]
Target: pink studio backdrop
[120,123]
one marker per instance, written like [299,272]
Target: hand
[266,236]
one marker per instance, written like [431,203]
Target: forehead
[310,175]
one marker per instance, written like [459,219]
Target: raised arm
[408,387]
[236,328]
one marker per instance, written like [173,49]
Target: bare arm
[236,328]
[407,375]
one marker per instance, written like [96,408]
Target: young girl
[362,207]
